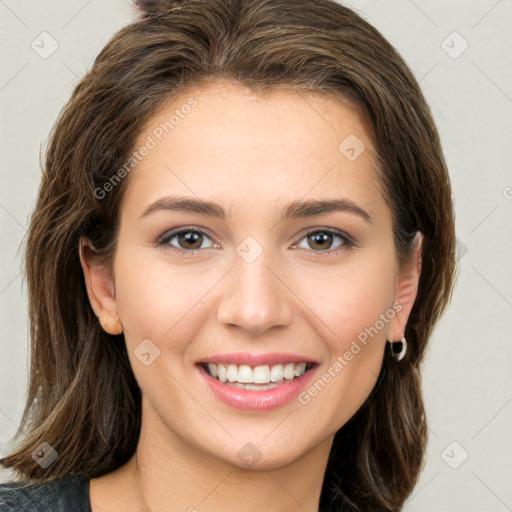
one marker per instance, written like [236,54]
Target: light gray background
[467,377]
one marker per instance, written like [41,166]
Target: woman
[243,240]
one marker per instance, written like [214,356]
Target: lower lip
[264,400]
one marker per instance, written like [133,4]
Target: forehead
[229,141]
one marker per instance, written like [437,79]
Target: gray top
[67,494]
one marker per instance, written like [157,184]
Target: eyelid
[348,240]
[318,229]
[171,233]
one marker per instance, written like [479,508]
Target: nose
[256,296]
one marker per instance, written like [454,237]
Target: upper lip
[252,359]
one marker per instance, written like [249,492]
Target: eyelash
[166,237]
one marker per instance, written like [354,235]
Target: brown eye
[186,240]
[323,240]
[320,240]
[190,240]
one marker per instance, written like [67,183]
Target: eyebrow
[294,210]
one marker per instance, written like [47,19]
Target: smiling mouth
[256,378]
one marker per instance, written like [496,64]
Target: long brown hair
[83,399]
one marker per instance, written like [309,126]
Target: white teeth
[245,375]
[232,373]
[221,369]
[300,369]
[261,375]
[253,387]
[289,371]
[276,373]
[213,369]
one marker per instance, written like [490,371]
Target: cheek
[350,310]
[159,301]
[351,298]
[169,304]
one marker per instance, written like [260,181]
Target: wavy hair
[83,398]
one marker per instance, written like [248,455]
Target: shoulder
[67,494]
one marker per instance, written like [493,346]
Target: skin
[252,154]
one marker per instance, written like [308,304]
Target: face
[256,279]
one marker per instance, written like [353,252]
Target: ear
[406,289]
[100,289]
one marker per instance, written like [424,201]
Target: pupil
[321,238]
[190,238]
